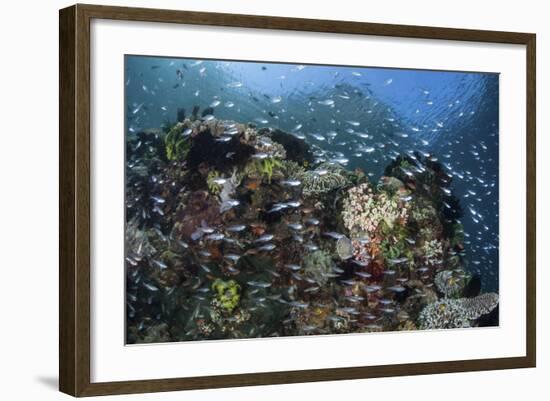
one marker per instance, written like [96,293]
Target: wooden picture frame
[74,199]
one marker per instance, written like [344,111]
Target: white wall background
[28,199]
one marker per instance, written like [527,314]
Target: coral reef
[456,313]
[176,142]
[325,178]
[235,231]
[432,252]
[451,283]
[318,265]
[365,210]
[213,186]
[296,150]
[227,294]
[344,248]
[137,242]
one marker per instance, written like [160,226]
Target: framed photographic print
[250,200]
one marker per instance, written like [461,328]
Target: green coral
[267,166]
[291,169]
[176,145]
[391,250]
[227,294]
[213,187]
[262,168]
[318,265]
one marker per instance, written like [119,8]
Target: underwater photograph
[275,199]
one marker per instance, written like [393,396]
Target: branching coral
[361,250]
[364,210]
[432,252]
[456,313]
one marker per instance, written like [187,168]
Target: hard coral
[325,178]
[364,210]
[456,313]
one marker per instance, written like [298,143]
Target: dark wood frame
[74,199]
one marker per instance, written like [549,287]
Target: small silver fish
[267,247]
[150,287]
[260,156]
[232,257]
[397,260]
[215,237]
[229,204]
[159,264]
[333,234]
[291,183]
[234,84]
[219,181]
[158,199]
[236,228]
[259,284]
[319,137]
[295,226]
[265,238]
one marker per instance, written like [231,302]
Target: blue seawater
[452,115]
